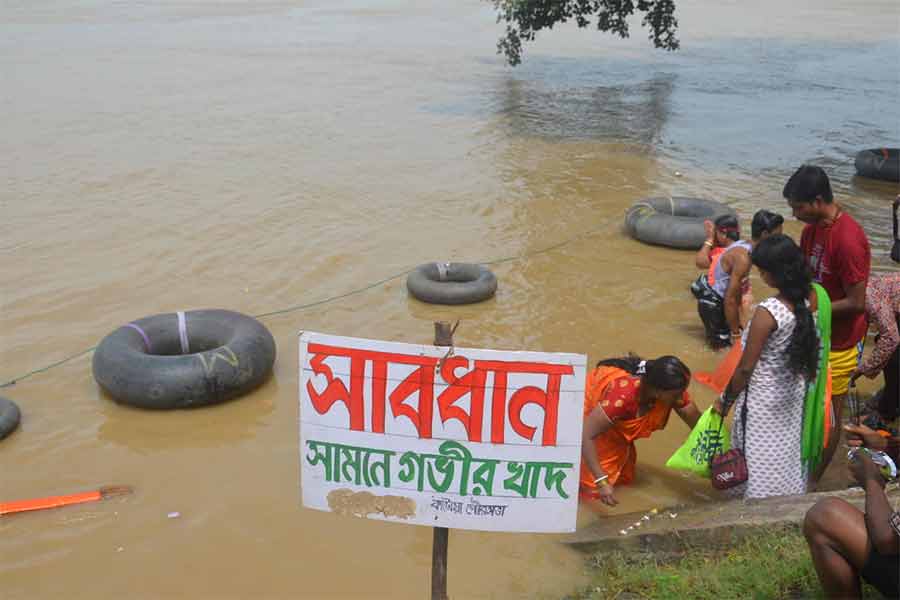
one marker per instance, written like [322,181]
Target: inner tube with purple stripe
[674,221]
[184,359]
[451,283]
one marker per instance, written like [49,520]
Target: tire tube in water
[451,283]
[675,221]
[185,359]
[879,163]
[9,417]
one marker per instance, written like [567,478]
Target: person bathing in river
[715,305]
[627,399]
[780,358]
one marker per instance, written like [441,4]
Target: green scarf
[814,406]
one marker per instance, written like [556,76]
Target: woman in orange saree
[627,399]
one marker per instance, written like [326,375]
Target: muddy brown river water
[259,156]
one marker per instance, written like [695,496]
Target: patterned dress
[883,311]
[774,404]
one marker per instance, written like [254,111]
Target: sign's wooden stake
[443,336]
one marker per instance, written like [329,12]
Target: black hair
[730,223]
[808,183]
[765,221]
[664,373]
[783,260]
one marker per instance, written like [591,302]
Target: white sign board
[473,439]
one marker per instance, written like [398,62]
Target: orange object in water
[718,379]
[17,506]
[615,448]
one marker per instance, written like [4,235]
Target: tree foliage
[524,18]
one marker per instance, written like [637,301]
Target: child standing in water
[724,297]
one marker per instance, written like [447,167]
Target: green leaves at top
[524,18]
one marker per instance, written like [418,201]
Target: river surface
[260,156]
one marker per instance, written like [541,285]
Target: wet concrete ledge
[711,525]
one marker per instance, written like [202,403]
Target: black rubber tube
[879,163]
[451,283]
[676,221]
[149,363]
[9,417]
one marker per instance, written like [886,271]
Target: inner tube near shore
[675,221]
[9,417]
[184,359]
[879,163]
[451,283]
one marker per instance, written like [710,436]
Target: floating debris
[174,515]
[672,515]
[623,532]
[645,518]
[654,511]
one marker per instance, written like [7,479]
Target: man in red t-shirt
[837,252]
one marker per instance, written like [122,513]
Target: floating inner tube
[451,283]
[675,221]
[879,163]
[9,417]
[185,359]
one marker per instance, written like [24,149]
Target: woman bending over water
[627,399]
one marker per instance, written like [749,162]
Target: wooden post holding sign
[461,438]
[443,336]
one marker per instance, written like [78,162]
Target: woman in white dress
[769,385]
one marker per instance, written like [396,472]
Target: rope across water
[335,298]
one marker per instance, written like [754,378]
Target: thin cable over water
[330,299]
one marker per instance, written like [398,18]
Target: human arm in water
[597,423]
[689,414]
[702,260]
[761,327]
[737,264]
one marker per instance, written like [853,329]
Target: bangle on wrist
[601,479]
[708,243]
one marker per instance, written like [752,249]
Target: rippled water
[162,156]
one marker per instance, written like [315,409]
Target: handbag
[729,469]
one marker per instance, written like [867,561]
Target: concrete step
[715,524]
